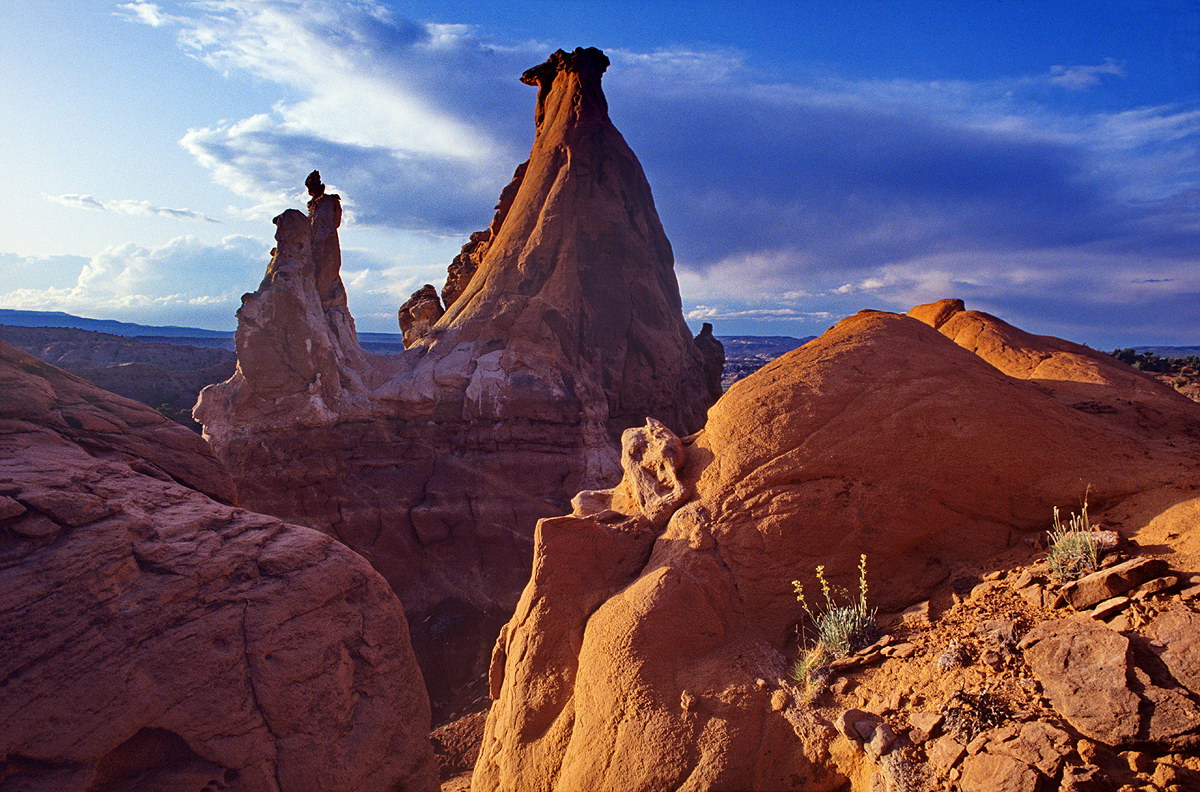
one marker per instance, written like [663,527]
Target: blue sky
[809,159]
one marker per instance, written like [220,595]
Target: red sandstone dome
[654,610]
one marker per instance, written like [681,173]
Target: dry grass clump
[1074,551]
[840,628]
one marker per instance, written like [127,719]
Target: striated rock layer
[638,655]
[157,638]
[562,328]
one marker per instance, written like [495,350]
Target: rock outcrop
[419,314]
[562,328]
[157,637]
[713,353]
[651,657]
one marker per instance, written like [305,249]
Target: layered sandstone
[157,637]
[562,327]
[649,647]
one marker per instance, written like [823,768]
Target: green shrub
[840,628]
[1074,551]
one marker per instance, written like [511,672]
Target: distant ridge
[1169,351]
[167,334]
[17,318]
[735,345]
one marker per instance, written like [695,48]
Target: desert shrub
[955,655]
[841,627]
[1074,551]
[970,714]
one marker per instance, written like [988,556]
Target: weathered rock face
[164,376]
[562,328]
[634,658]
[158,638]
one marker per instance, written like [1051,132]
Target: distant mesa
[559,326]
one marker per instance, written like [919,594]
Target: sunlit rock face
[651,646]
[158,637]
[562,326]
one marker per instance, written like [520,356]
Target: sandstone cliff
[562,328]
[156,637]
[651,646]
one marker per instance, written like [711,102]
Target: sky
[808,158]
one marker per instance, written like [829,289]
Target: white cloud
[708,313]
[1078,78]
[389,108]
[126,207]
[146,13]
[183,281]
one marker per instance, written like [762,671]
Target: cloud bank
[184,277]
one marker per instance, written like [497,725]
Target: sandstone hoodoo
[652,646]
[561,327]
[157,637]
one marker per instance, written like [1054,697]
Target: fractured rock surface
[562,327]
[158,638]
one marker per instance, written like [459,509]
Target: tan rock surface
[1087,380]
[158,638]
[881,437]
[563,328]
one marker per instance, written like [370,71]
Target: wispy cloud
[401,114]
[126,207]
[710,313]
[1078,78]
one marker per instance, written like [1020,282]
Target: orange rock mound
[649,657]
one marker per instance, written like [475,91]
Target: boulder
[1035,743]
[419,314]
[157,637]
[1176,642]
[1084,669]
[987,772]
[1107,583]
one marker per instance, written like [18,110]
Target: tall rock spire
[562,327]
[578,256]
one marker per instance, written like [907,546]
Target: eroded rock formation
[156,637]
[562,327]
[713,353]
[419,314]
[651,657]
